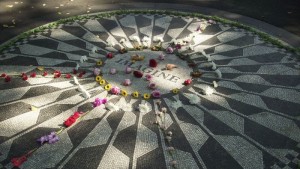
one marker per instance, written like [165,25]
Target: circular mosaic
[226,98]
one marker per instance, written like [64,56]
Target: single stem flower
[102,82]
[98,78]
[148,77]
[107,87]
[170,50]
[97,71]
[128,69]
[113,71]
[99,63]
[135,94]
[175,91]
[147,96]
[156,94]
[115,90]
[124,93]
[127,82]
[152,86]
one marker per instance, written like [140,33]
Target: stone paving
[249,120]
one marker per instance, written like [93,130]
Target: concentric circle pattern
[242,111]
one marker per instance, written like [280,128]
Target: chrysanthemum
[147,96]
[102,82]
[124,93]
[107,87]
[98,78]
[135,94]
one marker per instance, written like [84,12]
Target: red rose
[45,74]
[152,63]
[33,75]
[7,79]
[187,82]
[109,55]
[25,77]
[138,74]
[80,74]
[72,119]
[74,71]
[17,162]
[3,75]
[68,76]
[57,74]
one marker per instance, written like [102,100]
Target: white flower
[83,59]
[176,104]
[146,39]
[77,66]
[215,84]
[144,108]
[208,90]
[122,40]
[112,107]
[86,94]
[94,49]
[158,39]
[194,99]
[127,107]
[75,80]
[111,43]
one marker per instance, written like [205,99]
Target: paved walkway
[242,112]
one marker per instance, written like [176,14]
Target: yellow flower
[147,96]
[175,91]
[98,78]
[107,87]
[99,63]
[124,93]
[135,94]
[102,82]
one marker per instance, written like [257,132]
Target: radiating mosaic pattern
[250,121]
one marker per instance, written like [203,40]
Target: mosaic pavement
[251,120]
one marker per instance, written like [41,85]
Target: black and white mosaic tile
[249,117]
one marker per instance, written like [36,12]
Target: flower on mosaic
[124,93]
[175,91]
[25,77]
[149,77]
[187,82]
[152,63]
[170,50]
[50,138]
[127,82]
[98,78]
[80,75]
[211,21]
[113,71]
[144,108]
[126,107]
[135,94]
[107,87]
[3,75]
[102,82]
[57,74]
[45,73]
[152,85]
[72,119]
[147,96]
[7,79]
[128,69]
[112,107]
[18,161]
[99,63]
[178,46]
[97,71]
[68,76]
[99,102]
[138,74]
[109,55]
[170,149]
[196,74]
[115,90]
[170,66]
[40,68]
[33,75]
[193,99]
[161,56]
[173,163]
[74,71]
[156,94]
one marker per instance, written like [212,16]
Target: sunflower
[102,82]
[107,87]
[147,96]
[99,63]
[124,93]
[175,91]
[135,94]
[98,78]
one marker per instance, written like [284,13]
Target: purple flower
[156,94]
[51,138]
[152,86]
[113,71]
[128,70]
[99,101]
[161,56]
[115,90]
[42,139]
[97,71]
[148,77]
[178,46]
[170,50]
[127,82]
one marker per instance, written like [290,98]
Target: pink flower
[97,71]
[161,56]
[152,86]
[170,50]
[156,94]
[178,46]
[115,90]
[128,70]
[113,71]
[148,77]
[99,101]
[127,82]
